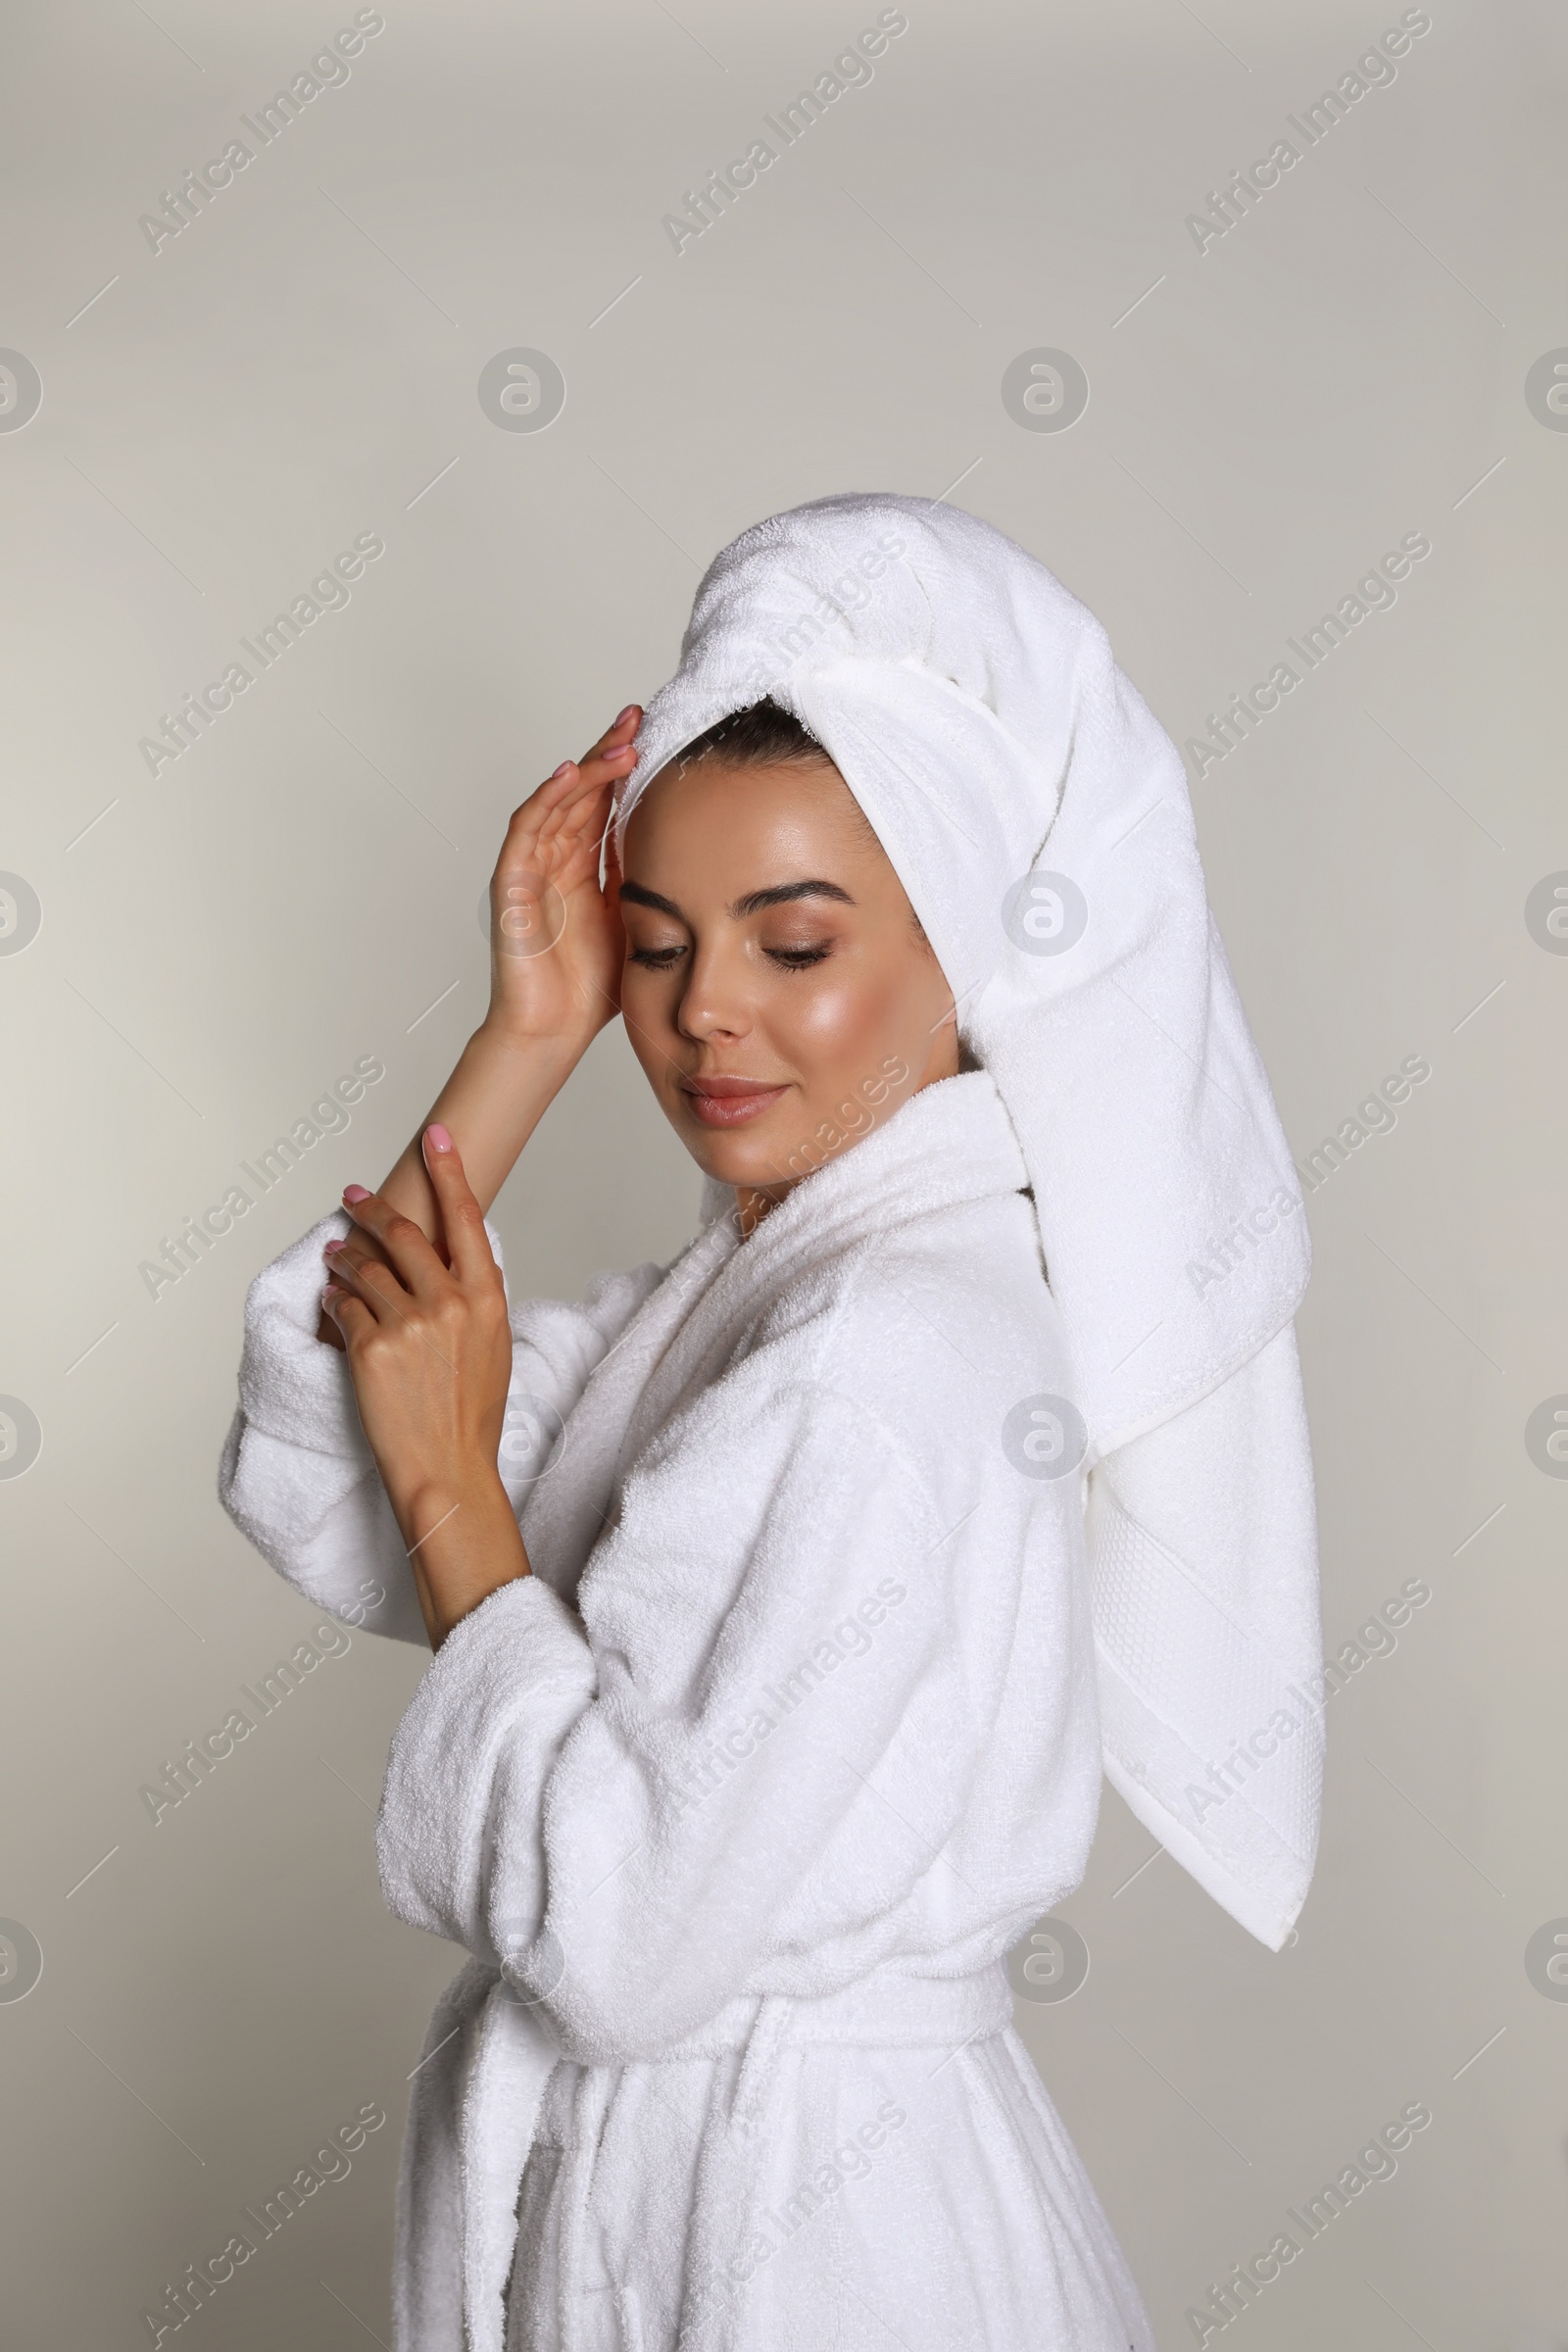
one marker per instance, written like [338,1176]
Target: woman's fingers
[543,834]
[371,1281]
[411,1262]
[349,1314]
[399,1266]
[461,1218]
[362,1270]
[357,1251]
[576,780]
[550,850]
[616,741]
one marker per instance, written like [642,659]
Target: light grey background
[1267,416]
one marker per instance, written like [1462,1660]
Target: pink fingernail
[333,1289]
[356,1193]
[438,1139]
[331,1249]
[626,714]
[560,770]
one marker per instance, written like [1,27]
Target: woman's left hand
[430,1351]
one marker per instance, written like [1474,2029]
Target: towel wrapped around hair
[1038,816]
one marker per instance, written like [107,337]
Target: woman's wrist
[555,1051]
[462,1542]
[420,1505]
[501,1088]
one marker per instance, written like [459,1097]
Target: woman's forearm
[464,1543]
[490,1105]
[557,948]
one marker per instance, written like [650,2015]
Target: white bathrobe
[860,1553]
[740,1799]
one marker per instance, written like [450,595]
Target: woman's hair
[762,735]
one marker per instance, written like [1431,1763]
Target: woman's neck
[753,1205]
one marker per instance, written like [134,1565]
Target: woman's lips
[729,1102]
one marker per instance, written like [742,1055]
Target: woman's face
[777,990]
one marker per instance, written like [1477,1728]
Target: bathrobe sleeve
[757,1747]
[297,1474]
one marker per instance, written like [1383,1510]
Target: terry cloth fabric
[1038,817]
[738,1801]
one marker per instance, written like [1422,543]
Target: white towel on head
[1038,816]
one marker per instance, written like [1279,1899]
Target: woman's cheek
[837,1041]
[836,1024]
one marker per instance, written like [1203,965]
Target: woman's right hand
[555,951]
[556,941]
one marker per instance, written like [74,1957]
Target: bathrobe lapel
[950,1142]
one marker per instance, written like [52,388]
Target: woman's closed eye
[800,958]
[790,958]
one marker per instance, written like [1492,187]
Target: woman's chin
[742,1157]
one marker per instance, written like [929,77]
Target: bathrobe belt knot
[500,2054]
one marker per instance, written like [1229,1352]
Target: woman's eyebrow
[780,894]
[640,897]
[783,892]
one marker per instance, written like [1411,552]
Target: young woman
[788,1602]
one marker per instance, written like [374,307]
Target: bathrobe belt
[505,2056]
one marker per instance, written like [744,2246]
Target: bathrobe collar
[950,1142]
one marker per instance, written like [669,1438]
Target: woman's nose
[713,1003]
